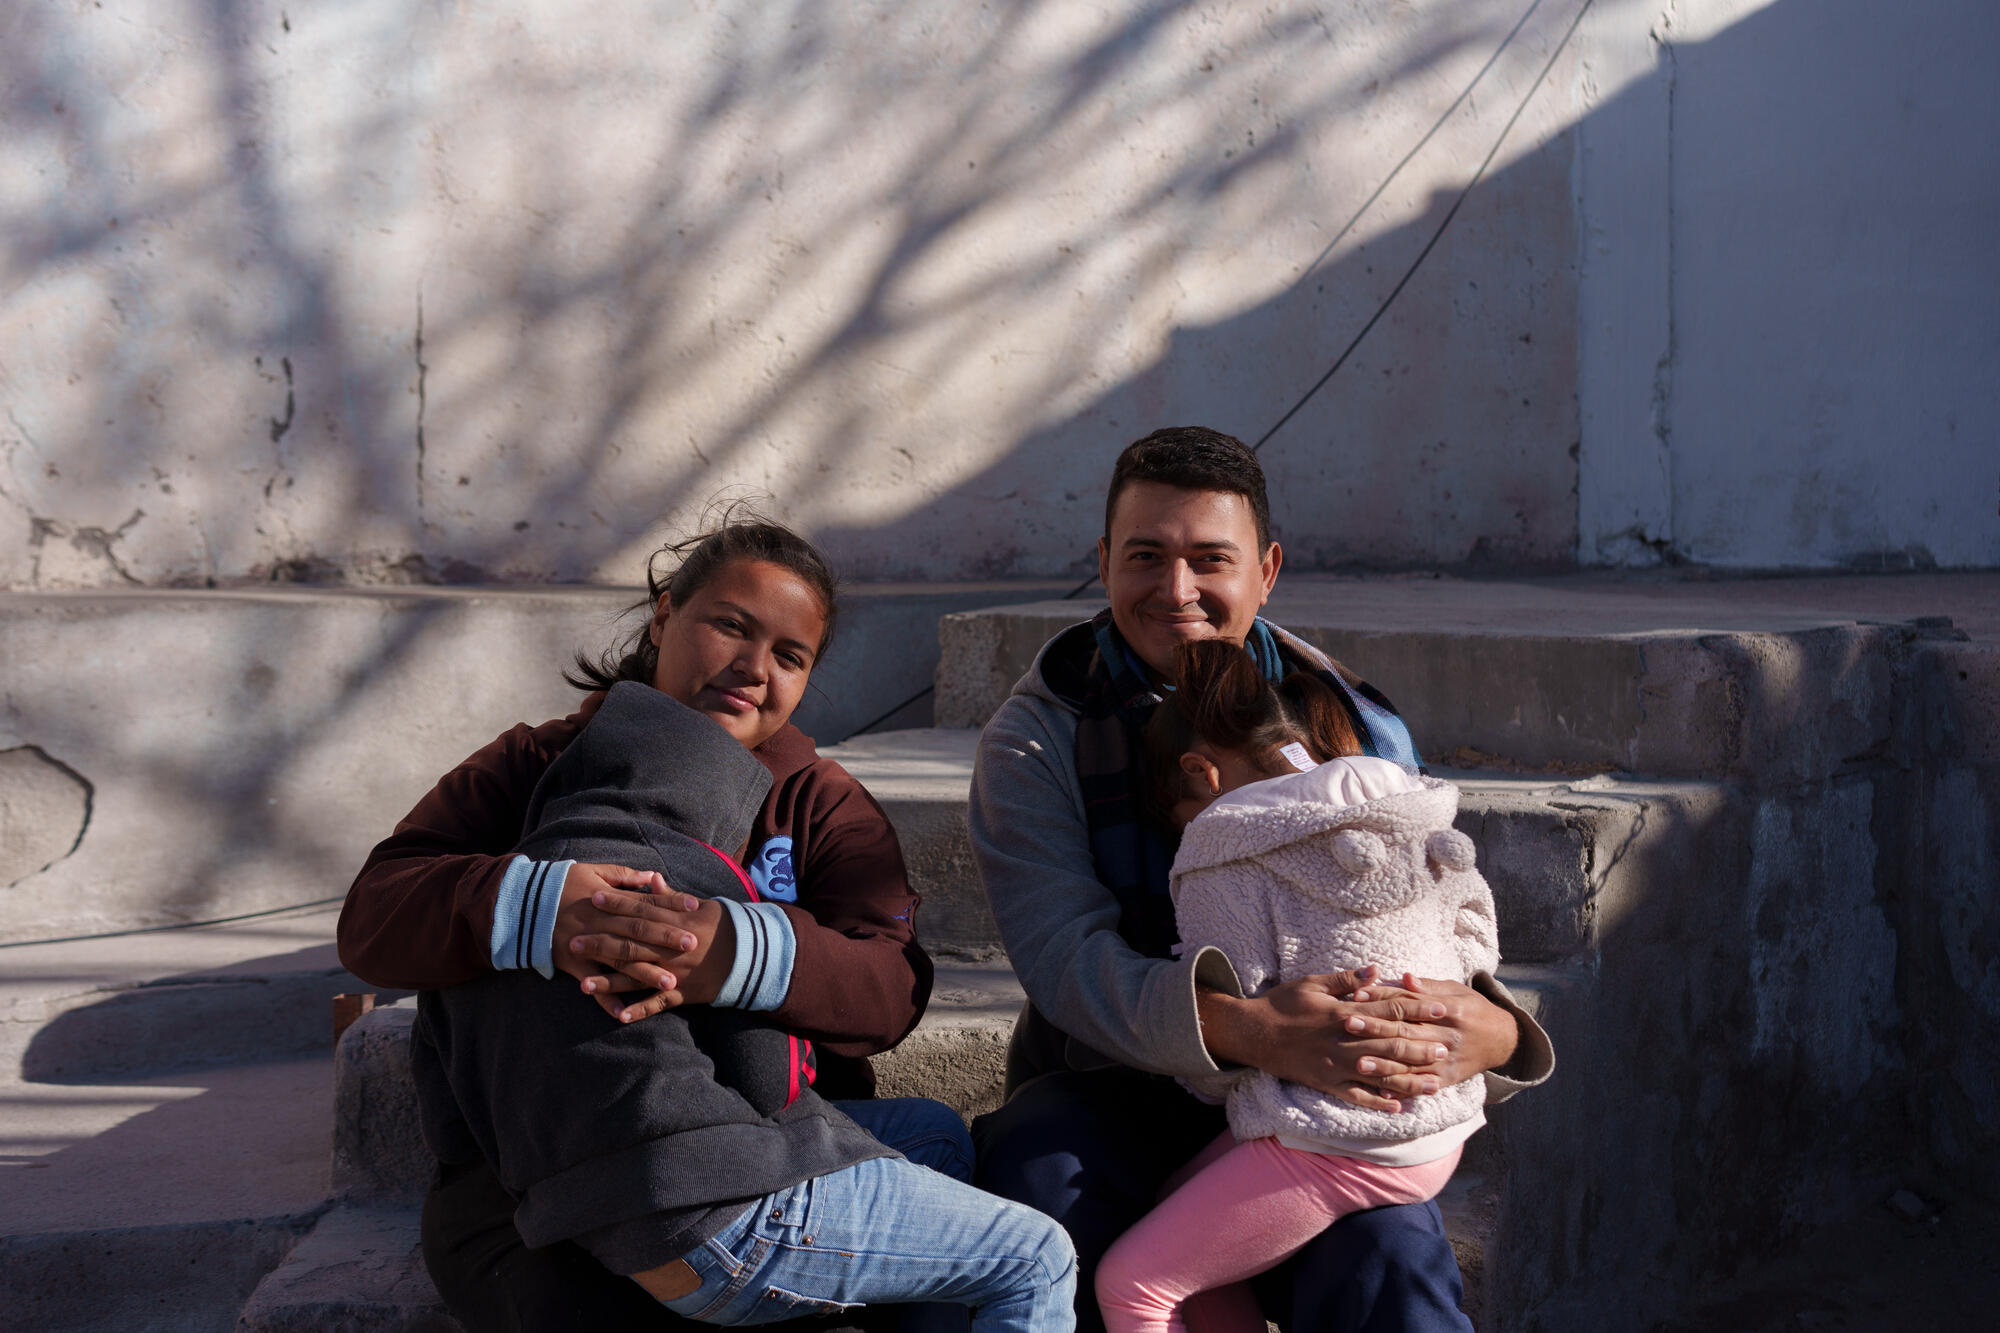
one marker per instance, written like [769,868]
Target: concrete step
[956,1055]
[157,1203]
[359,1271]
[921,777]
[171,999]
[1773,681]
[173,755]
[1562,856]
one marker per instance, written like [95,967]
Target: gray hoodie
[1094,1001]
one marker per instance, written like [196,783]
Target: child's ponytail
[1226,701]
[1321,715]
[1222,699]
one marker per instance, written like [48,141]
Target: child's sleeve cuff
[524,915]
[761,975]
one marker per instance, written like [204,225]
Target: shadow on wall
[492,402]
[1448,439]
[396,418]
[319,301]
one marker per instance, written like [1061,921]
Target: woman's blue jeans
[886,1230]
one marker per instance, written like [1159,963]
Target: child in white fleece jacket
[1299,856]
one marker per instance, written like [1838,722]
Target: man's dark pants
[1092,1150]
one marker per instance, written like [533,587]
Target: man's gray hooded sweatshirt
[682,1119]
[1095,1002]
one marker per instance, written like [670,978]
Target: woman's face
[741,648]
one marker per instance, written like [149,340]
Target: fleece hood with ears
[1293,876]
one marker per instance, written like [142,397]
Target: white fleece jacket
[1355,862]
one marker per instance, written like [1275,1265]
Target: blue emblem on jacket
[772,871]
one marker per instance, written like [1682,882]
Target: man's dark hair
[1194,458]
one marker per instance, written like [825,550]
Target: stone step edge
[126,1276]
[956,1055]
[1665,700]
[361,1270]
[1544,839]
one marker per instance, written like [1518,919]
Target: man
[1094,1122]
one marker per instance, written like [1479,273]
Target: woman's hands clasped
[621,930]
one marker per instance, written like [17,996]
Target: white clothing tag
[1295,752]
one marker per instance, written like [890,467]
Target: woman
[829,955]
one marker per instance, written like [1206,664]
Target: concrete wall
[169,756]
[1788,331]
[386,292]
[383,293]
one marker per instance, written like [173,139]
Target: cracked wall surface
[402,295]
[395,295]
[44,812]
[1787,245]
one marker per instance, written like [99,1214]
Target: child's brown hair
[1221,698]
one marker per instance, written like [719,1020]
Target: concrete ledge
[180,756]
[379,1153]
[176,1279]
[921,777]
[956,1055]
[1775,681]
[138,1004]
[359,1271]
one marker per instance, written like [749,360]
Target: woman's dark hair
[1220,697]
[680,569]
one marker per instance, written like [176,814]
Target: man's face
[1182,565]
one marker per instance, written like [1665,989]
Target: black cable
[1408,274]
[178,925]
[1437,235]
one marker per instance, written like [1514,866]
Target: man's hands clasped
[1351,1036]
[620,930]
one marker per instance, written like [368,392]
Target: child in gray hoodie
[693,1138]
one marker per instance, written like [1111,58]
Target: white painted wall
[1791,342]
[379,292]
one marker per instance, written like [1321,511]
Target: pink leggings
[1242,1208]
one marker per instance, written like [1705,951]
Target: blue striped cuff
[524,916]
[761,975]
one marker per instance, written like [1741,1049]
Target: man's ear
[1104,561]
[1206,775]
[1273,561]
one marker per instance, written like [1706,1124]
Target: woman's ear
[661,610]
[1207,777]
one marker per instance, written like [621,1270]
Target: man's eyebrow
[1155,544]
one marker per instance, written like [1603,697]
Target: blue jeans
[928,1133]
[1092,1150]
[885,1230]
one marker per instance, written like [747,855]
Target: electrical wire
[1383,307]
[177,925]
[1348,351]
